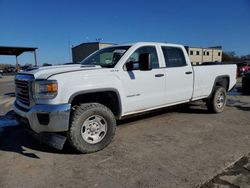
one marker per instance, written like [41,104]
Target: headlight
[45,89]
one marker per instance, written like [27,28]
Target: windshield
[107,57]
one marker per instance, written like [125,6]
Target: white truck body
[137,91]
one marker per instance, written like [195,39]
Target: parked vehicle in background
[1,73]
[246,83]
[243,68]
[82,102]
[10,69]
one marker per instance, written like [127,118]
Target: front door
[143,89]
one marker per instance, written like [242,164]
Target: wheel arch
[223,81]
[109,97]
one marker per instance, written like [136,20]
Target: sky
[54,26]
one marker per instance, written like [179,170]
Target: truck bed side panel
[205,76]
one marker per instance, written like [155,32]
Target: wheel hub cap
[94,129]
[220,100]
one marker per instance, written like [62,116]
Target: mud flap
[54,140]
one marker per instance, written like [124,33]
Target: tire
[92,127]
[217,102]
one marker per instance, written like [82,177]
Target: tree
[230,56]
[245,57]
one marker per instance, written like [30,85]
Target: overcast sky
[54,26]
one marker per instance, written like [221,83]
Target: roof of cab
[146,43]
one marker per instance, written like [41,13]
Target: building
[83,50]
[199,55]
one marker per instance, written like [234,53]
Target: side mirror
[145,62]
[129,66]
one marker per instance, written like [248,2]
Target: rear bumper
[46,118]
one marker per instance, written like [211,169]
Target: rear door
[179,75]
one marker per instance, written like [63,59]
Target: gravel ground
[174,147]
[6,94]
[235,176]
[6,85]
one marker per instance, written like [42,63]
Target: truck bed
[205,76]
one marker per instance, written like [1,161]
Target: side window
[105,58]
[174,56]
[147,49]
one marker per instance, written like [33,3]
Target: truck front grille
[23,83]
[22,91]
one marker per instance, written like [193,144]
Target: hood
[45,72]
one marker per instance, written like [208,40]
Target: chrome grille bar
[23,89]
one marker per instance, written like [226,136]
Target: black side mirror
[129,66]
[145,62]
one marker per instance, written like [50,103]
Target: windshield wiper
[90,65]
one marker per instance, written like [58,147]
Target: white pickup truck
[81,103]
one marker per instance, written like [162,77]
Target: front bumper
[46,118]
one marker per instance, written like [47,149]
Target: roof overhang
[9,50]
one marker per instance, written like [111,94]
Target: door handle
[159,75]
[188,72]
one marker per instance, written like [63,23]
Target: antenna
[99,39]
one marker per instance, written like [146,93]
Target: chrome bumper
[46,118]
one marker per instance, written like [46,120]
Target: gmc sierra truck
[81,103]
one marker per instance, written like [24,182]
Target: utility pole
[36,63]
[17,64]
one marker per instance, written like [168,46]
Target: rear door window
[174,56]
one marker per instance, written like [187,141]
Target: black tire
[79,116]
[214,104]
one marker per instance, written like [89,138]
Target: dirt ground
[175,147]
[6,85]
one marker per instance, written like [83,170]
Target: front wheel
[217,102]
[92,127]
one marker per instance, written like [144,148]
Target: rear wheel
[92,127]
[217,102]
